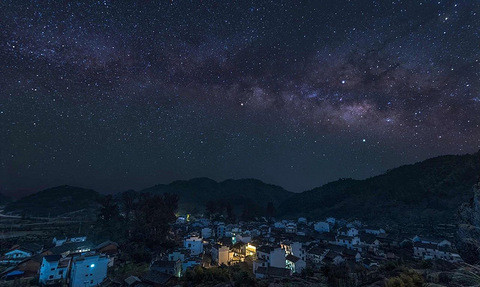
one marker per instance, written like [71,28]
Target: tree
[110,225]
[230,214]
[153,216]
[408,278]
[247,213]
[270,210]
[210,208]
[128,202]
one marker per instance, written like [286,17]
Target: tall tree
[210,208]
[153,217]
[230,214]
[110,225]
[128,202]
[270,210]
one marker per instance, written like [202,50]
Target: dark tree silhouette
[128,202]
[110,225]
[210,208]
[230,214]
[153,217]
[270,210]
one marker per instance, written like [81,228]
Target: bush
[408,278]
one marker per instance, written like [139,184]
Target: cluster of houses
[274,249]
[68,261]
[284,248]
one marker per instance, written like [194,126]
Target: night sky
[114,95]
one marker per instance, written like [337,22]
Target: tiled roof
[52,258]
[72,247]
[265,249]
[292,258]
[106,243]
[156,277]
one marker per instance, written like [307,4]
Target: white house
[302,220]
[194,244]
[279,225]
[355,223]
[88,270]
[15,256]
[272,256]
[375,231]
[428,251]
[263,253]
[245,238]
[295,263]
[317,254]
[60,242]
[54,269]
[277,258]
[331,221]
[173,268]
[349,253]
[334,257]
[370,242]
[440,242]
[206,232]
[221,254]
[18,253]
[351,231]
[295,248]
[180,254]
[220,230]
[349,242]
[322,226]
[291,227]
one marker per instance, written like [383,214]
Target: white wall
[88,272]
[277,258]
[194,244]
[322,226]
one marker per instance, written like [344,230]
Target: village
[268,250]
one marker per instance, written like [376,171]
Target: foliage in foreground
[207,277]
[408,278]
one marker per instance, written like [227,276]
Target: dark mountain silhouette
[195,193]
[4,199]
[426,192]
[55,201]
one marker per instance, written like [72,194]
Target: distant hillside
[4,199]
[195,193]
[55,201]
[426,192]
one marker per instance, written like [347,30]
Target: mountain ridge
[54,201]
[421,191]
[425,191]
[195,193]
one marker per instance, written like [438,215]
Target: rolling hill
[4,199]
[55,201]
[426,192]
[195,193]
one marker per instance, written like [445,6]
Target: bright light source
[93,265]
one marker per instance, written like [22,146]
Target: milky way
[115,95]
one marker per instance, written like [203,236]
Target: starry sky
[114,95]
